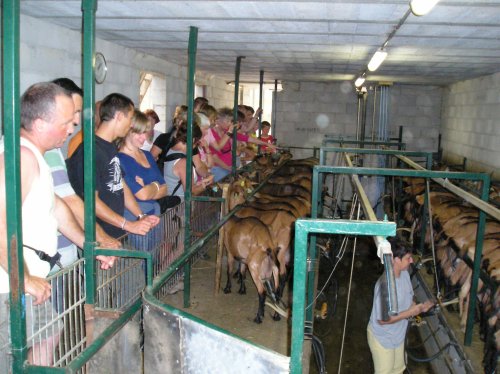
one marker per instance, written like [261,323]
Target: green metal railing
[441,177]
[11,125]
[302,276]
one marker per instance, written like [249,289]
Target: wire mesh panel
[205,214]
[56,328]
[120,286]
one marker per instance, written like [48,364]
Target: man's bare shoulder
[29,162]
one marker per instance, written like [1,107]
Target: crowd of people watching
[139,174]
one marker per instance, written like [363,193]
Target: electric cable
[348,295]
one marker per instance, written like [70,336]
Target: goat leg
[260,311]
[243,287]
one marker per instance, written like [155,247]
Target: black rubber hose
[319,353]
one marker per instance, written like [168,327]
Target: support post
[481,225]
[192,47]
[261,91]
[11,122]
[275,108]
[89,8]
[235,109]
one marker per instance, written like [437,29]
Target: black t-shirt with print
[108,182]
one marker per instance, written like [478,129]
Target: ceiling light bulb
[422,7]
[359,81]
[376,60]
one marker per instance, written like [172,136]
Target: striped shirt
[62,188]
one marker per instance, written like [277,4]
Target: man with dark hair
[112,193]
[386,334]
[63,189]
[47,113]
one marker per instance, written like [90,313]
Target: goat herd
[259,237]
[260,233]
[454,226]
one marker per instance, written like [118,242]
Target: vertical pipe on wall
[11,119]
[275,106]
[363,119]
[235,108]
[261,92]
[89,8]
[192,46]
[374,112]
[358,117]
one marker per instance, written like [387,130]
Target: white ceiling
[301,40]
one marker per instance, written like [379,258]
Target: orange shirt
[74,142]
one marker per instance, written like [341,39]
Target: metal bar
[481,225]
[31,369]
[402,173]
[377,142]
[275,108]
[235,109]
[261,88]
[192,47]
[207,199]
[400,137]
[127,253]
[11,122]
[467,196]
[393,152]
[304,227]
[89,8]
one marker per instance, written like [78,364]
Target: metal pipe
[192,46]
[89,8]
[376,142]
[261,90]
[275,106]
[11,119]
[358,116]
[235,109]
[363,119]
[374,112]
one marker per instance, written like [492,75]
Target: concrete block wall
[418,110]
[307,111]
[471,125]
[155,99]
[219,93]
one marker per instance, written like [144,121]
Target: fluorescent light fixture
[377,59]
[422,7]
[359,82]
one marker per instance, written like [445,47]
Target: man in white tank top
[47,112]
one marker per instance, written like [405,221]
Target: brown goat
[249,241]
[280,224]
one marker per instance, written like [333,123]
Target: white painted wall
[156,99]
[471,124]
[307,111]
[48,51]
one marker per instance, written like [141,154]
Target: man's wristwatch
[141,216]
